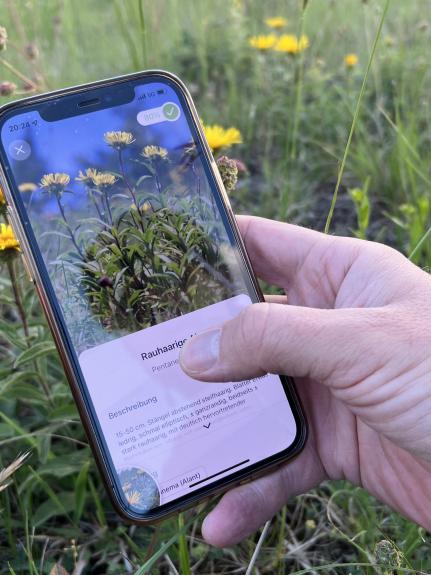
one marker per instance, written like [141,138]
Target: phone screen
[139,256]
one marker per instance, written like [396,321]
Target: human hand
[356,336]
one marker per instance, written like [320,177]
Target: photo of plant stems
[148,250]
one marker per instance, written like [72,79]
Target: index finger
[277,250]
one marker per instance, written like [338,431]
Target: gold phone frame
[85,414]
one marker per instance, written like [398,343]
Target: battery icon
[160,91]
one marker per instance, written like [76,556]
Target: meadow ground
[293,102]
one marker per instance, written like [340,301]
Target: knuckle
[251,333]
[252,322]
[372,248]
[256,336]
[383,252]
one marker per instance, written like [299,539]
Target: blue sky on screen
[75,143]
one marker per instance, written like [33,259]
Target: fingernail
[201,352]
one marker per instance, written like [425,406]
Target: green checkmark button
[171,111]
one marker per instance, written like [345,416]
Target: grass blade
[355,118]
[163,549]
[182,547]
[420,244]
[258,548]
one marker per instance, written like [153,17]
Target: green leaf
[51,508]
[141,179]
[44,447]
[64,411]
[25,392]
[6,431]
[15,378]
[9,331]
[19,431]
[65,465]
[147,566]
[81,491]
[36,350]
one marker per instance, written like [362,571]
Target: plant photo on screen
[133,249]
[317,113]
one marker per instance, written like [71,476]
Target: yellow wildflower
[219,137]
[351,60]
[292,44]
[104,179]
[92,177]
[276,22]
[146,207]
[87,176]
[3,203]
[152,152]
[8,241]
[27,187]
[55,183]
[119,140]
[263,42]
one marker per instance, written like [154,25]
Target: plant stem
[96,205]
[143,33]
[355,118]
[281,544]
[299,76]
[18,73]
[126,181]
[108,207]
[157,179]
[198,179]
[258,548]
[71,234]
[17,296]
[127,33]
[419,244]
[23,317]
[182,548]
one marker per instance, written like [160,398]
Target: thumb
[302,342]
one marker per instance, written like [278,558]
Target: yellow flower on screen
[276,22]
[87,176]
[146,207]
[119,140]
[291,44]
[104,179]
[152,152]
[55,183]
[27,187]
[219,137]
[263,42]
[351,60]
[8,241]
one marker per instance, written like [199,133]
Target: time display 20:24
[22,126]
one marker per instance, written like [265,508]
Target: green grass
[295,114]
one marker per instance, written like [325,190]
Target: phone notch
[89,103]
[86,101]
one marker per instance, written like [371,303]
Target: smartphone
[127,233]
